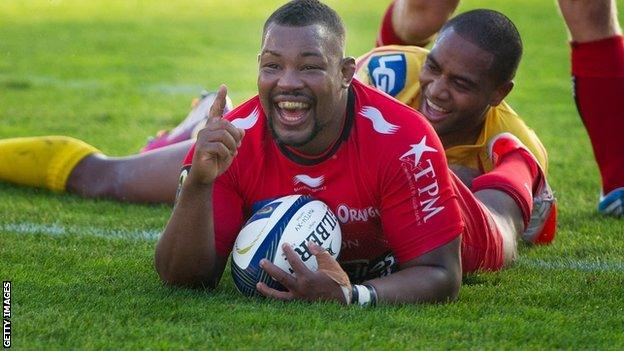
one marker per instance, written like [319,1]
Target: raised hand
[216,144]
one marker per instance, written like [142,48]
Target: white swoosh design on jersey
[247,122]
[379,122]
[309,181]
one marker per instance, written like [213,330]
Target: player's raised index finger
[216,110]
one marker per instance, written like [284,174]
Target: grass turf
[109,72]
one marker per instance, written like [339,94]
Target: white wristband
[363,294]
[347,293]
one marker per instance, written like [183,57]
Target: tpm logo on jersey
[423,179]
[309,181]
[388,72]
[417,150]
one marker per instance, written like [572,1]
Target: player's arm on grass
[186,254]
[422,228]
[432,277]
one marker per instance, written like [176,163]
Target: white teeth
[435,107]
[293,105]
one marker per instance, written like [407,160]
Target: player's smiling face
[302,85]
[458,87]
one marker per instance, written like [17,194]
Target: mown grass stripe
[152,235]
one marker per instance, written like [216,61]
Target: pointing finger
[218,106]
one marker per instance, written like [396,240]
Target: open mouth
[434,112]
[292,113]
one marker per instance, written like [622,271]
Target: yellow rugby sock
[44,162]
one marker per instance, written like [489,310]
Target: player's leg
[189,127]
[598,71]
[590,20]
[150,177]
[500,209]
[414,22]
[66,164]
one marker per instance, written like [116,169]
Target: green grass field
[113,72]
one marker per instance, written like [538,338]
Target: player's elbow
[186,280]
[174,275]
[447,286]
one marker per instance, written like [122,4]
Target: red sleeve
[420,211]
[227,206]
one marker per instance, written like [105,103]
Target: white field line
[152,235]
[61,230]
[574,265]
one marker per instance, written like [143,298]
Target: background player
[598,75]
[311,117]
[414,22]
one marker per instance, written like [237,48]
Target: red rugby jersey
[386,179]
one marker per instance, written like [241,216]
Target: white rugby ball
[293,219]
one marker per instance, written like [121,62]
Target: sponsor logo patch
[247,122]
[346,214]
[380,124]
[304,181]
[388,72]
[423,181]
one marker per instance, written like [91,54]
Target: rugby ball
[293,219]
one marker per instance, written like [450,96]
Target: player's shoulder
[399,58]
[503,118]
[383,120]
[412,51]
[394,70]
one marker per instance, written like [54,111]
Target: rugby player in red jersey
[310,118]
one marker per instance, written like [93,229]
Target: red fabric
[601,58]
[514,176]
[482,243]
[387,35]
[598,70]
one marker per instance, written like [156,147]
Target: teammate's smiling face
[458,87]
[302,83]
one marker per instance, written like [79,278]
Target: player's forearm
[185,253]
[418,284]
[416,21]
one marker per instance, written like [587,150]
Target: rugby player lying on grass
[464,120]
[310,117]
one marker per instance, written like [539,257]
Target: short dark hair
[301,13]
[494,32]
